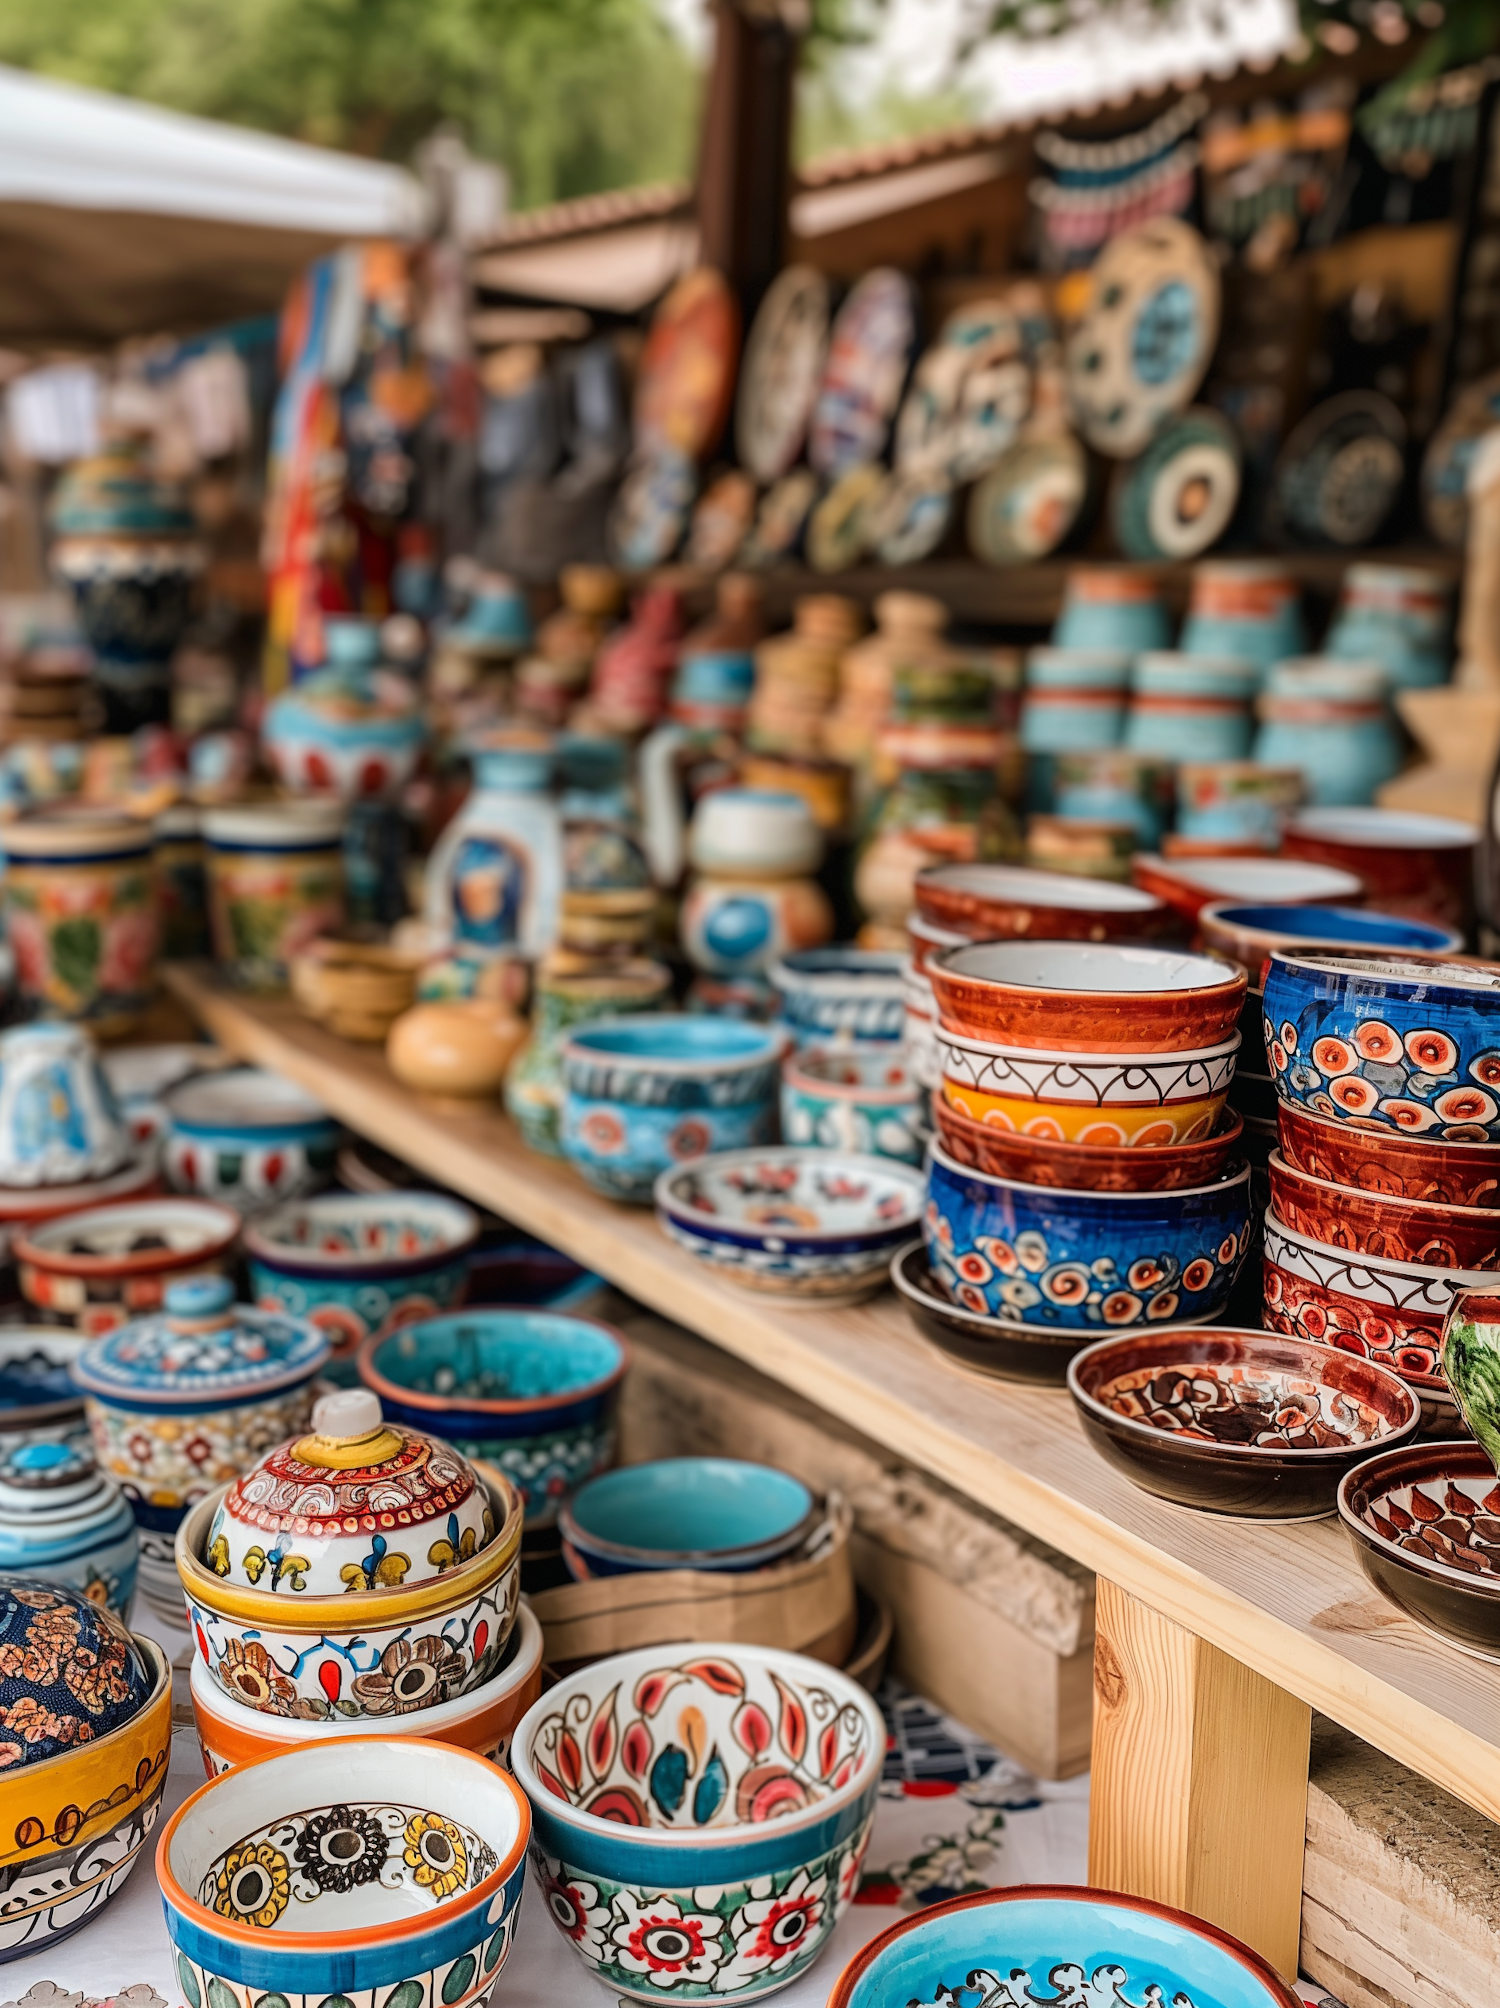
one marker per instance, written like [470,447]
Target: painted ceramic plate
[1339,474]
[909,518]
[686,377]
[1177,499]
[725,511]
[838,530]
[652,508]
[784,510]
[1446,464]
[1029,502]
[969,396]
[869,353]
[782,370]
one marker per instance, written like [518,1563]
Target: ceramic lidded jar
[59,1121]
[358,1505]
[82,914]
[63,1519]
[753,895]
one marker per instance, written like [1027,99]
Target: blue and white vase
[496,875]
[65,1521]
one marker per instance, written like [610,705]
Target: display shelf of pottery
[358,989]
[725,1515]
[275,883]
[101,1265]
[753,896]
[563,1000]
[249,1138]
[80,907]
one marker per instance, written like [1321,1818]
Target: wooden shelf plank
[1289,1602]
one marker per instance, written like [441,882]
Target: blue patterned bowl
[1388,1044]
[858,1098]
[385,1869]
[840,993]
[1030,1255]
[532,1392]
[700,1815]
[719,1513]
[1059,1944]
[642,1094]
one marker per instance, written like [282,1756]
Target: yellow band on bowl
[1076,1122]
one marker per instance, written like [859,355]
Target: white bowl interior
[1262,881]
[1085,965]
[243,1097]
[176,1226]
[1381,828]
[1017,885]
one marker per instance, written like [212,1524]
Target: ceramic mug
[81,913]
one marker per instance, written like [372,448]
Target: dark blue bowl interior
[497,1356]
[691,1505]
[668,1037]
[1337,923]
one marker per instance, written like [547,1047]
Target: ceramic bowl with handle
[716,1513]
[1059,996]
[1379,1161]
[1090,1167]
[709,1836]
[1139,1099]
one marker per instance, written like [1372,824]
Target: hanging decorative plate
[652,508]
[782,370]
[869,354]
[1029,502]
[1445,467]
[725,511]
[1146,336]
[838,530]
[909,518]
[686,377]
[1339,474]
[969,395]
[1177,499]
[784,510]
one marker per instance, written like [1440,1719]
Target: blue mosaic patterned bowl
[1030,1255]
[1048,1943]
[840,993]
[1386,1043]
[533,1393]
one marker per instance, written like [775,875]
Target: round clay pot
[459,1048]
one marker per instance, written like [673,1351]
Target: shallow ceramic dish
[74,1817]
[1034,1255]
[1004,902]
[1388,1044]
[63,1521]
[1140,1099]
[1252,934]
[1014,1946]
[248,1137]
[717,1513]
[1090,1167]
[1423,1520]
[532,1392]
[708,1861]
[60,1123]
[98,1267]
[1190,884]
[1402,1230]
[482,1721]
[986,1345]
[354,1265]
[839,993]
[372,1869]
[1100,998]
[1410,864]
[1241,1422]
[645,1093]
[854,1098]
[813,1227]
[1380,1161]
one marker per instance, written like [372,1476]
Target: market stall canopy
[120,219]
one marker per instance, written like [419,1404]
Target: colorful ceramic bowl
[532,1392]
[1379,1161]
[1061,995]
[59,1121]
[384,1652]
[1089,1097]
[1015,1945]
[1388,1045]
[840,993]
[26,1206]
[97,1268]
[248,1137]
[709,1864]
[76,1815]
[1403,1230]
[814,1227]
[643,1094]
[1422,1519]
[1190,884]
[1033,1255]
[1089,1167]
[483,1721]
[275,883]
[371,1869]
[994,1346]
[1240,1422]
[715,1513]
[1003,902]
[63,1521]
[354,1265]
[40,1402]
[1422,865]
[854,1098]
[1251,934]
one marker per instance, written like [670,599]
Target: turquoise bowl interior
[681,1037]
[497,1356]
[1338,923]
[691,1505]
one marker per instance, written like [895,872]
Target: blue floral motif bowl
[700,1815]
[532,1392]
[645,1093]
[859,1098]
[718,1513]
[1030,1255]
[1387,1043]
[1045,1943]
[841,993]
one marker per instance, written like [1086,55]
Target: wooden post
[744,161]
[1199,1790]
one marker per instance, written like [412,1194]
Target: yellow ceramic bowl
[1078,1122]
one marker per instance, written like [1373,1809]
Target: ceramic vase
[80,903]
[276,882]
[563,1002]
[495,878]
[60,1124]
[753,897]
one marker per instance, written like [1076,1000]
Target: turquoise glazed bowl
[1380,1043]
[1061,1944]
[1031,1255]
[354,1264]
[367,1869]
[717,1513]
[840,993]
[642,1094]
[532,1392]
[854,1098]
[708,1842]
[64,1521]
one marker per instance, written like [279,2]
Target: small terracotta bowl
[1099,998]
[1385,1162]
[96,1268]
[1240,1422]
[1380,1224]
[983,1345]
[991,902]
[1089,1167]
[1424,1519]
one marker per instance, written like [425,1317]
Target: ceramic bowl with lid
[248,1137]
[100,1266]
[64,1521]
[60,1123]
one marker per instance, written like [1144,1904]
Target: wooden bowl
[358,989]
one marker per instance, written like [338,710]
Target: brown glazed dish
[1015,902]
[1384,1161]
[1384,1224]
[984,1345]
[1425,1523]
[1092,997]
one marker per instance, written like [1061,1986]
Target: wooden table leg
[1199,1790]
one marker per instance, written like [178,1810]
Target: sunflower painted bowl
[373,1869]
[700,1814]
